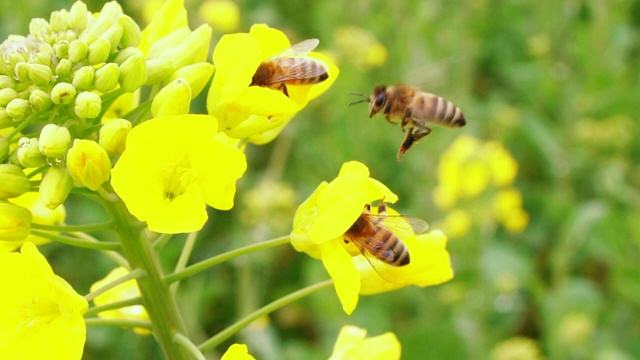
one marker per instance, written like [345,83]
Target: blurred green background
[556,82]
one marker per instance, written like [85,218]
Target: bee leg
[283,87]
[412,137]
[382,207]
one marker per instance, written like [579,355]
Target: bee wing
[293,68]
[384,270]
[400,223]
[300,49]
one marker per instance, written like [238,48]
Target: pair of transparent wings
[293,64]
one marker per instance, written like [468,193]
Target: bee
[290,67]
[412,108]
[375,237]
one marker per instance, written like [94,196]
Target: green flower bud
[15,222]
[6,81]
[5,119]
[78,16]
[13,181]
[78,50]
[63,93]
[40,74]
[22,72]
[133,73]
[113,136]
[99,51]
[58,21]
[54,141]
[197,75]
[168,42]
[88,105]
[106,78]
[158,70]
[17,57]
[125,54]
[61,48]
[193,49]
[39,27]
[88,164]
[132,34]
[173,99]
[46,49]
[111,11]
[29,154]
[63,70]
[83,78]
[55,186]
[42,59]
[4,148]
[95,30]
[6,95]
[40,100]
[17,108]
[113,35]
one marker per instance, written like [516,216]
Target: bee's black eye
[380,99]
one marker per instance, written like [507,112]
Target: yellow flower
[322,220]
[88,163]
[352,344]
[172,167]
[457,223]
[223,15]
[237,352]
[125,103]
[361,47]
[15,222]
[253,112]
[41,316]
[124,291]
[171,17]
[507,209]
[520,348]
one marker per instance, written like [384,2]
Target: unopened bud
[125,54]
[173,99]
[58,21]
[133,73]
[42,59]
[21,71]
[13,181]
[193,49]
[106,78]
[6,95]
[132,34]
[38,27]
[40,100]
[55,186]
[4,148]
[95,29]
[61,48]
[83,78]
[78,50]
[88,163]
[113,136]
[29,154]
[63,93]
[173,39]
[99,51]
[88,105]
[111,11]
[15,222]
[78,16]
[113,35]
[40,74]
[5,119]
[158,70]
[54,140]
[17,108]
[63,70]
[197,75]
[6,81]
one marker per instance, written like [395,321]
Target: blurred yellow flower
[172,167]
[222,15]
[237,352]
[41,316]
[253,112]
[270,202]
[352,344]
[457,223]
[576,329]
[124,291]
[125,103]
[517,348]
[507,209]
[361,47]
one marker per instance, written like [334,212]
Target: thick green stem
[156,297]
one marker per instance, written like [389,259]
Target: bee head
[378,99]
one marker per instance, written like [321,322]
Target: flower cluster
[469,168]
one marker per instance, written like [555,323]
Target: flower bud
[13,181]
[173,99]
[54,140]
[5,119]
[4,148]
[125,54]
[55,186]
[197,75]
[29,154]
[111,11]
[77,19]
[40,74]
[61,48]
[63,93]
[131,35]
[83,78]
[38,27]
[133,73]
[113,136]
[63,70]
[58,21]
[15,222]
[21,72]
[96,29]
[17,108]
[78,50]
[6,95]
[173,39]
[99,51]
[106,78]
[158,70]
[6,81]
[194,48]
[88,105]
[113,35]
[40,100]
[88,163]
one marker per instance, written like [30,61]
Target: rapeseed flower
[237,352]
[352,344]
[172,167]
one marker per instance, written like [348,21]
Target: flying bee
[290,67]
[412,108]
[375,237]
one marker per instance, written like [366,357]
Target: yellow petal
[186,213]
[346,278]
[270,41]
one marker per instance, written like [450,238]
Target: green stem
[68,240]
[188,345]
[108,225]
[134,274]
[114,305]
[156,297]
[184,258]
[160,241]
[113,255]
[127,323]
[205,264]
[263,311]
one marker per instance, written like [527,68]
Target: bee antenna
[359,94]
[358,101]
